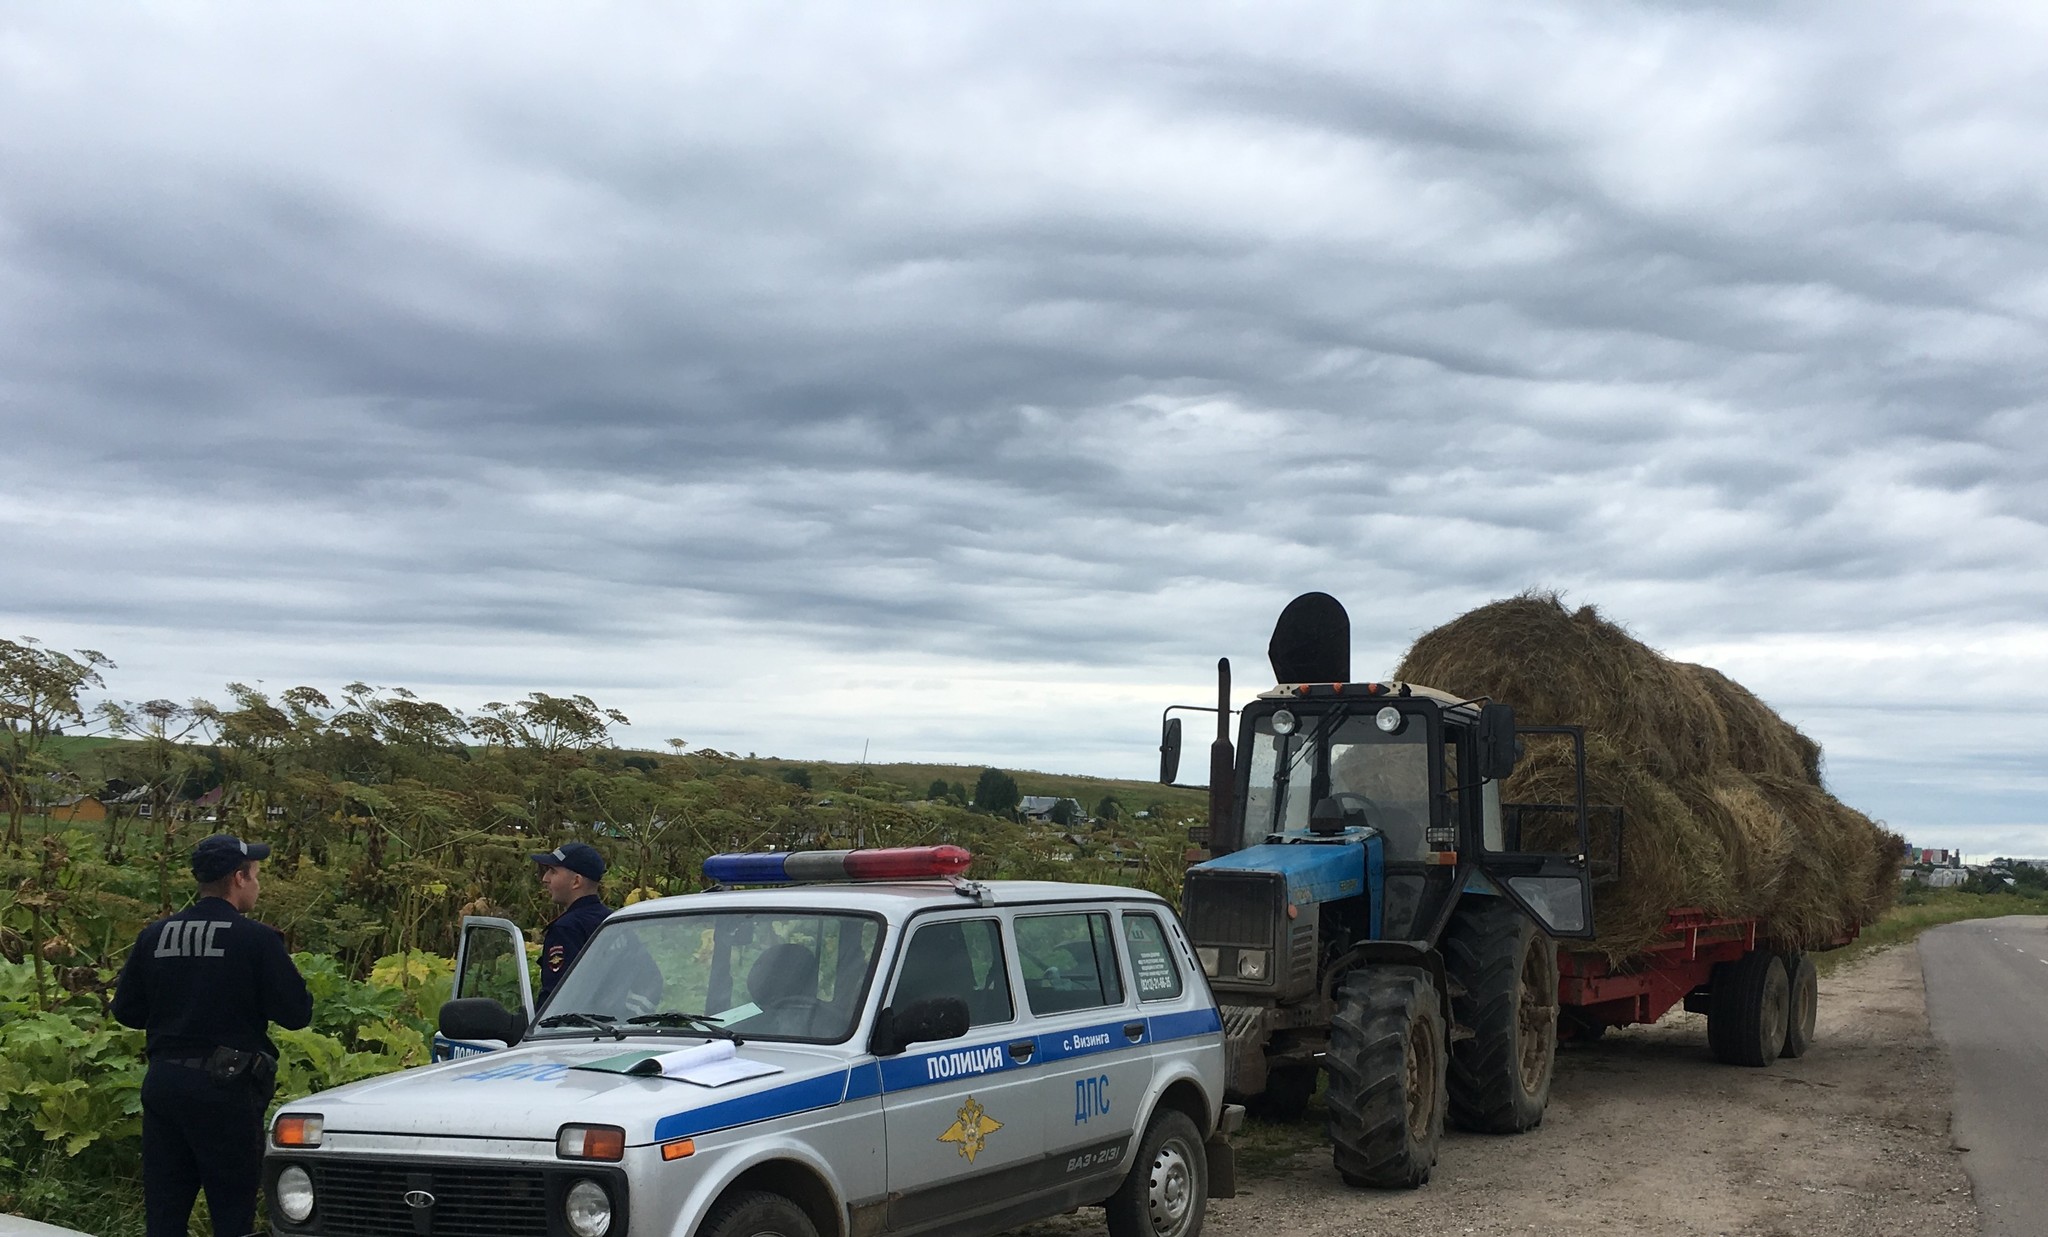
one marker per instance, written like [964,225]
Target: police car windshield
[793,975]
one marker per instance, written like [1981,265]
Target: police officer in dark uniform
[205,984]
[571,872]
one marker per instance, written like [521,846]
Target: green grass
[1921,909]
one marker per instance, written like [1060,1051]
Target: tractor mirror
[1169,751]
[1498,747]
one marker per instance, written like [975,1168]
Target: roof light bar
[800,866]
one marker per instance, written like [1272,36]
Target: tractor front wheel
[1386,1063]
[1500,1077]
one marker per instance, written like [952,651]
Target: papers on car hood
[712,1064]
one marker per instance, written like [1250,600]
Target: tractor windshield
[1377,778]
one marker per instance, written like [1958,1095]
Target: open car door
[490,962]
[1553,885]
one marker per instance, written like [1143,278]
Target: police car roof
[895,899]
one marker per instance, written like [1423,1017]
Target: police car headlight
[588,1209]
[1251,963]
[295,1194]
[1211,959]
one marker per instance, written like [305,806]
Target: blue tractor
[1368,912]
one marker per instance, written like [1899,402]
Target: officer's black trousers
[196,1134]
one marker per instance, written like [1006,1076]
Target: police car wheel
[757,1213]
[1166,1191]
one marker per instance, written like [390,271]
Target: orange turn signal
[591,1142]
[681,1148]
[297,1129]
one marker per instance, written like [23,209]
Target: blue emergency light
[803,866]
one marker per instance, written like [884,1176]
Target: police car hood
[531,1091]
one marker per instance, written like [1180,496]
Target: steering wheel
[1346,799]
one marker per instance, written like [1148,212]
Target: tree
[996,792]
[38,693]
[1109,809]
[939,789]
[1063,813]
[797,777]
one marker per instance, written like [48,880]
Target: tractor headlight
[1284,722]
[588,1209]
[1389,720]
[295,1194]
[1212,959]
[1251,963]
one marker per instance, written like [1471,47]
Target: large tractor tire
[1500,1077]
[1750,1009]
[1386,1064]
[1804,983]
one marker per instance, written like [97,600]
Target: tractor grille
[359,1199]
[1232,908]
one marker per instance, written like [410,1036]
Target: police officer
[205,984]
[571,872]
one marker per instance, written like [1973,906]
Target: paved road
[1987,1000]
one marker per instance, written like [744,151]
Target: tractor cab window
[1378,778]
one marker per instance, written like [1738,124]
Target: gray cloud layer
[1038,354]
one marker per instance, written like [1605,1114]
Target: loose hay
[1724,806]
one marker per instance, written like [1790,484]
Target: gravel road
[1646,1133]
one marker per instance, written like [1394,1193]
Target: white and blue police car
[832,1044]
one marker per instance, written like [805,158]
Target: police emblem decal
[970,1129]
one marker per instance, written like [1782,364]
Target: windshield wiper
[601,1022]
[706,1023]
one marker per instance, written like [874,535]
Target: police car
[832,1044]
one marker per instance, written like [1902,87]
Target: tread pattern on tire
[1368,1071]
[1737,1033]
[1484,948]
[745,1213]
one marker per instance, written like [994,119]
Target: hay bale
[1724,807]
[1565,667]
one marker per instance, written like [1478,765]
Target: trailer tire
[1499,1079]
[1749,1010]
[1386,1064]
[1804,1004]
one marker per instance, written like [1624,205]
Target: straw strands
[1724,805]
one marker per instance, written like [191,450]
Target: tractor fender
[1396,953]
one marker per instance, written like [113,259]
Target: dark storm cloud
[1054,343]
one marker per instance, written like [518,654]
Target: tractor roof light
[1389,720]
[811,866]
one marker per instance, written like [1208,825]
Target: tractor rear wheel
[1749,1010]
[1500,1077]
[1386,1064]
[1805,1005]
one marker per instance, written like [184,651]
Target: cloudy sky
[961,381]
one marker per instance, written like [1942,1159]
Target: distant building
[1947,878]
[1041,807]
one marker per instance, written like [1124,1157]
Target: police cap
[222,853]
[583,860]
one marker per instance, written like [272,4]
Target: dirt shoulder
[1646,1133]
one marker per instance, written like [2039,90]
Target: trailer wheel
[1750,1009]
[1386,1063]
[1500,1078]
[1804,1005]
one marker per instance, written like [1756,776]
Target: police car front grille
[353,1199]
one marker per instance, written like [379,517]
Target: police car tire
[1171,1143]
[756,1213]
[1504,988]
[1384,1132]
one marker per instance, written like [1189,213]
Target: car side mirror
[1169,751]
[939,1017]
[480,1017]
[1498,747]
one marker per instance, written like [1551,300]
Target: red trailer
[1759,1001]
